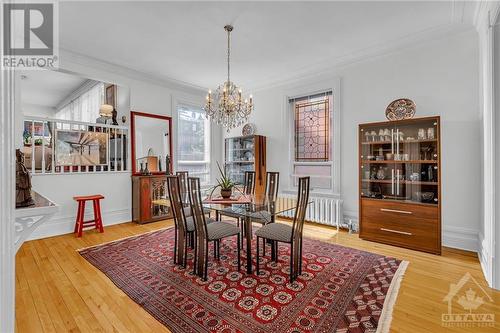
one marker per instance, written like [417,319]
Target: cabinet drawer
[401,210]
[401,224]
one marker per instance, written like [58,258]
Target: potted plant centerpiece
[225,183]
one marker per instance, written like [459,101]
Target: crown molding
[486,14]
[330,66]
[68,56]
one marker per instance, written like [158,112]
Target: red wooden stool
[96,222]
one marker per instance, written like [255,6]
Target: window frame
[208,135]
[334,132]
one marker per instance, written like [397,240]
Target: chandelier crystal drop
[226,105]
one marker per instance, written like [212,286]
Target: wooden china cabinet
[400,183]
[246,153]
[150,201]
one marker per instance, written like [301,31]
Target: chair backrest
[300,211]
[176,204]
[183,178]
[197,207]
[249,182]
[272,184]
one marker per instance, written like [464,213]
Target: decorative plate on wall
[400,109]
[248,129]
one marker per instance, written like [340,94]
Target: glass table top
[261,207]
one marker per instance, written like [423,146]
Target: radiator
[321,209]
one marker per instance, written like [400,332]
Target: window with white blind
[85,107]
[312,124]
[193,142]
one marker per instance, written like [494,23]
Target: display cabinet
[400,183]
[246,153]
[150,201]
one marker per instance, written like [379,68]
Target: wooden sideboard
[400,183]
[150,201]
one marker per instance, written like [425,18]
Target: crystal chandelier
[226,106]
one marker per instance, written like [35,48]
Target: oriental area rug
[340,290]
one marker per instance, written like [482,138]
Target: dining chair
[284,233]
[206,233]
[272,186]
[183,178]
[183,230]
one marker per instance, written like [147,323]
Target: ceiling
[47,88]
[272,41]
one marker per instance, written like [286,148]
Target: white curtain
[85,107]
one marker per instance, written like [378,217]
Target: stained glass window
[312,128]
[312,121]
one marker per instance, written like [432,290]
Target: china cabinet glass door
[377,162]
[399,161]
[418,155]
[240,157]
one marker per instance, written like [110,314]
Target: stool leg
[101,228]
[80,218]
[77,216]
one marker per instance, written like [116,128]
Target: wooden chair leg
[195,254]
[258,255]
[300,256]
[175,245]
[291,262]
[184,263]
[205,274]
[239,252]
[218,249]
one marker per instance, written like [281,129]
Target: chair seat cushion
[263,217]
[190,222]
[220,229]
[276,231]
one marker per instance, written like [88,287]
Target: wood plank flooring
[59,291]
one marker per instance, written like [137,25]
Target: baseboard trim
[460,238]
[64,224]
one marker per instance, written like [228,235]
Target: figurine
[113,117]
[167,165]
[23,182]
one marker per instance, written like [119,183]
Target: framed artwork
[111,95]
[81,148]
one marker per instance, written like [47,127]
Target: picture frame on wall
[111,95]
[81,148]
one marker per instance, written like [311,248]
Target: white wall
[441,77]
[146,94]
[37,110]
[496,66]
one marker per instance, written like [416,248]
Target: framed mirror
[151,143]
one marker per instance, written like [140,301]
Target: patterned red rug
[340,290]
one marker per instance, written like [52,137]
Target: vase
[226,194]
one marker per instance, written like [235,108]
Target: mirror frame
[133,115]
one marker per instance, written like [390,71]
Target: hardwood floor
[59,291]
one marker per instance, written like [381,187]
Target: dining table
[248,208]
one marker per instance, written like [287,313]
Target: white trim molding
[460,238]
[484,19]
[66,224]
[7,203]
